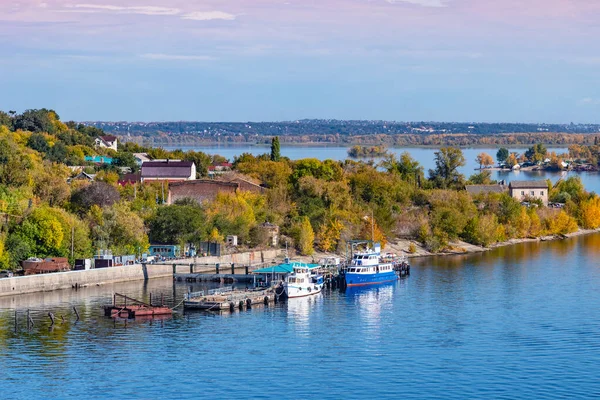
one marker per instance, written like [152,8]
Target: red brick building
[199,190]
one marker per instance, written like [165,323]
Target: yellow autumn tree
[523,223]
[215,236]
[4,258]
[484,160]
[329,235]
[535,225]
[561,224]
[306,237]
[590,213]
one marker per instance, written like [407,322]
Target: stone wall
[67,280]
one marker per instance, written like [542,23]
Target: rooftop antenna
[287,256]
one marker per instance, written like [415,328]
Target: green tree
[446,175]
[5,120]
[125,159]
[119,229]
[179,223]
[275,149]
[407,167]
[38,142]
[98,193]
[36,121]
[502,155]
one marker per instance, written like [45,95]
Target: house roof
[141,156]
[109,138]
[478,189]
[202,182]
[528,185]
[167,169]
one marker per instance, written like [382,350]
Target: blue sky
[259,60]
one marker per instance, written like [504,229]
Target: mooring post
[150,302]
[232,269]
[76,313]
[174,269]
[246,270]
[217,269]
[191,268]
[145,271]
[29,321]
[51,318]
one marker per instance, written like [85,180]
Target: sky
[283,60]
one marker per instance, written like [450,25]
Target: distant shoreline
[344,145]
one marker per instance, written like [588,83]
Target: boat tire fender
[248,303]
[266,300]
[241,304]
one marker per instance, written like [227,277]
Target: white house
[108,142]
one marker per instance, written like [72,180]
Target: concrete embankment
[67,280]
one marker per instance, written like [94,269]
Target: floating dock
[228,299]
[135,308]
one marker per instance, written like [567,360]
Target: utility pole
[72,241]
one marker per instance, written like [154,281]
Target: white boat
[304,280]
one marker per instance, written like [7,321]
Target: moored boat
[368,268]
[305,280]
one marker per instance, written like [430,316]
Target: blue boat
[368,268]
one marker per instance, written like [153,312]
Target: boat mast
[372,229]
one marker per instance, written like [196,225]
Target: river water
[424,155]
[519,322]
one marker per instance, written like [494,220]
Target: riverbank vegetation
[317,204]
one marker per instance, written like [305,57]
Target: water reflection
[373,303]
[299,312]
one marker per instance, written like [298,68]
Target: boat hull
[292,291]
[353,279]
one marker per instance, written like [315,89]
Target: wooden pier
[228,299]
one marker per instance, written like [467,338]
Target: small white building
[523,190]
[107,142]
[231,240]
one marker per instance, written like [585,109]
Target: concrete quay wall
[67,280]
[240,259]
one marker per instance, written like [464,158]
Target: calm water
[425,156]
[518,322]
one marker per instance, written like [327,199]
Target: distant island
[351,132]
[367,152]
